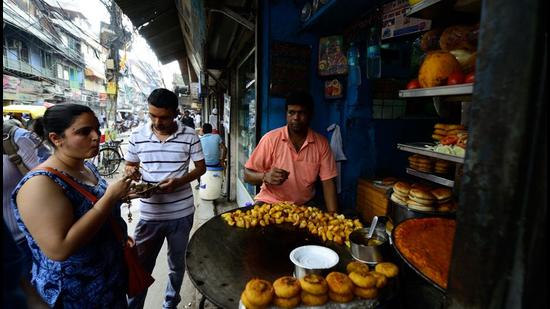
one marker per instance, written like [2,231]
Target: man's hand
[169,185]
[276,176]
[132,171]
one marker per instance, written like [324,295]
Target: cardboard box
[395,23]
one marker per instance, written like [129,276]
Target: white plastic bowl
[312,260]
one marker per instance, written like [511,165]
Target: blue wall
[370,145]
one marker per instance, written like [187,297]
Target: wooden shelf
[462,89]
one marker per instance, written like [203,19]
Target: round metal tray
[416,270]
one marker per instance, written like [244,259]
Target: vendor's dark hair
[163,98]
[206,128]
[300,98]
[61,116]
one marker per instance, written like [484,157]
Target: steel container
[370,254]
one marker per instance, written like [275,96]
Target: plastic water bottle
[353,65]
[374,63]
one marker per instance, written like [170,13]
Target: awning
[159,24]
[88,71]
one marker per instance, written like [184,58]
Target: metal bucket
[369,253]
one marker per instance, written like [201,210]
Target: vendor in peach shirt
[288,160]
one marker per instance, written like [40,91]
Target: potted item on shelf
[332,59]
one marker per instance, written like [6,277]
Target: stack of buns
[258,293]
[340,287]
[287,292]
[428,165]
[314,290]
[422,197]
[441,130]
[444,199]
[441,166]
[421,163]
[400,193]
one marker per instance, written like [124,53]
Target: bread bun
[402,188]
[446,207]
[440,126]
[437,137]
[441,193]
[455,127]
[287,287]
[339,283]
[419,207]
[258,292]
[287,303]
[421,195]
[398,200]
[387,269]
[356,265]
[440,132]
[388,181]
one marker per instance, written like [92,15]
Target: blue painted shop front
[369,144]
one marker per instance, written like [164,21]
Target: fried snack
[314,284]
[331,227]
[355,265]
[258,292]
[340,298]
[368,293]
[287,287]
[387,269]
[289,302]
[247,303]
[313,300]
[339,283]
[362,279]
[381,280]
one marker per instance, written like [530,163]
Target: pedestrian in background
[187,120]
[164,149]
[213,120]
[23,150]
[77,260]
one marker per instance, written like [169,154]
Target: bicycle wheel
[107,161]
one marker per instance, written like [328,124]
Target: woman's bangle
[263,178]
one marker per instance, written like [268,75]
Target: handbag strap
[88,195]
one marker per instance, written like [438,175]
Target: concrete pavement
[204,210]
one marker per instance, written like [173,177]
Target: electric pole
[116,43]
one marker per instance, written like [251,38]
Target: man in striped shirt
[160,152]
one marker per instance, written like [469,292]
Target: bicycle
[109,158]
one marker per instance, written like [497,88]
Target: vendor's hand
[276,176]
[169,185]
[132,171]
[119,189]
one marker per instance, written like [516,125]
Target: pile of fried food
[327,226]
[315,290]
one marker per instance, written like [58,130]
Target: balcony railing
[21,66]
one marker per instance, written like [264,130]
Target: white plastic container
[210,187]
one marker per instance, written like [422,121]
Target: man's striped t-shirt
[160,160]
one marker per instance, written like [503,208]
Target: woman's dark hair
[300,98]
[206,128]
[163,98]
[37,126]
[61,116]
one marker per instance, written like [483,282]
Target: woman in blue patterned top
[77,261]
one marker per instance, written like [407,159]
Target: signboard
[10,83]
[111,88]
[396,23]
[226,111]
[289,68]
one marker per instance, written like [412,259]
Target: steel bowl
[313,260]
[366,252]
